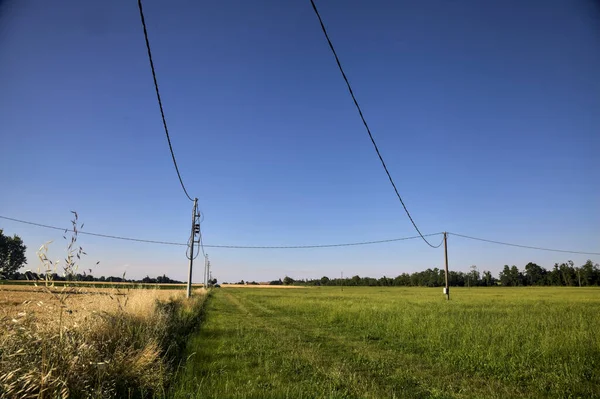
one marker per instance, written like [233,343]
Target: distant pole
[192,243]
[205,268]
[208,272]
[447,289]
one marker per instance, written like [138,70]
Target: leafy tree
[402,280]
[385,281]
[554,276]
[506,277]
[12,254]
[516,276]
[589,273]
[456,279]
[534,274]
[473,276]
[487,280]
[567,273]
[288,281]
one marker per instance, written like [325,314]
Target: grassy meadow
[92,342]
[395,343]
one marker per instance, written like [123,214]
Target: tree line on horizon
[564,274]
[83,277]
[12,257]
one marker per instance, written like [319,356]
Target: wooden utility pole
[447,288]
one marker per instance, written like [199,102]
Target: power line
[322,245]
[297,246]
[525,246]
[221,246]
[162,112]
[93,234]
[365,123]
[202,243]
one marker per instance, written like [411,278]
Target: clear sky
[486,112]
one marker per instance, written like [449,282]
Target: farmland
[396,342]
[79,341]
[359,342]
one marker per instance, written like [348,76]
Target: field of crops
[396,343]
[100,284]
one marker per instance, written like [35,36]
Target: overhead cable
[93,234]
[524,246]
[297,246]
[223,246]
[162,112]
[365,123]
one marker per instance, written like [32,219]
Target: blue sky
[485,112]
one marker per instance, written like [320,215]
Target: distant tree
[516,276]
[534,274]
[12,254]
[276,282]
[589,274]
[456,279]
[148,280]
[568,273]
[505,277]
[488,279]
[324,280]
[554,277]
[402,280]
[385,281]
[288,281]
[473,276]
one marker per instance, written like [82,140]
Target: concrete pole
[192,243]
[447,290]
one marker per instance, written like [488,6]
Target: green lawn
[396,342]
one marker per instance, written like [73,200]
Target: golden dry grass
[41,305]
[88,341]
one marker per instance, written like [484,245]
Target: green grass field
[396,342]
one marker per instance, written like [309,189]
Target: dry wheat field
[70,341]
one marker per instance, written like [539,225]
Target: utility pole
[447,289]
[195,230]
[205,269]
[208,272]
